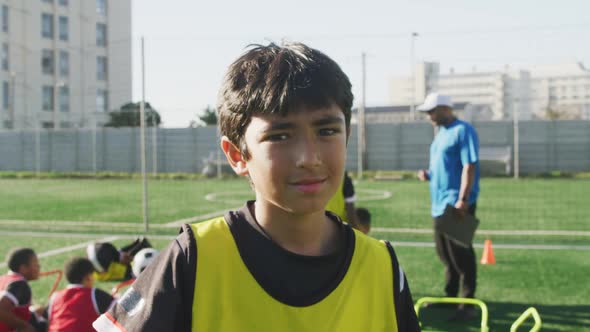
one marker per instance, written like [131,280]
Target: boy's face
[296,162]
[88,280]
[31,270]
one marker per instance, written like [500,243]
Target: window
[4,18]
[47,62]
[63,28]
[63,2]
[5,95]
[101,34]
[64,63]
[101,7]
[47,98]
[4,57]
[48,1]
[47,26]
[101,100]
[101,68]
[64,99]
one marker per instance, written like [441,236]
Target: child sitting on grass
[80,304]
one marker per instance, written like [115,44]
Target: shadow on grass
[561,318]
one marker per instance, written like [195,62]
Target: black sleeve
[21,291]
[404,305]
[161,298]
[348,187]
[103,300]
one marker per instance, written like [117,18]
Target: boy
[111,264]
[77,306]
[363,216]
[15,292]
[279,263]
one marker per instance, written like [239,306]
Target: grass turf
[552,281]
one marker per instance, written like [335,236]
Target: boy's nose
[308,154]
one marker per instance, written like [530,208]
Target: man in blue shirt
[454,180]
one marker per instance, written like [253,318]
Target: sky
[189,44]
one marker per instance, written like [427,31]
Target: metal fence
[544,146]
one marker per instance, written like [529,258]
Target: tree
[209,118]
[564,112]
[128,116]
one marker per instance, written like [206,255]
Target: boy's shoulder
[207,224]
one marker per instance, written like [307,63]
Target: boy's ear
[234,157]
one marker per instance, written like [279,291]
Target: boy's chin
[305,209]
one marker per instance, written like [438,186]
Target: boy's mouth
[309,185]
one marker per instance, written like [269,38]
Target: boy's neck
[310,234]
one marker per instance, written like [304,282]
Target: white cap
[434,100]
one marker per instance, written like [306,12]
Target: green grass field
[554,281]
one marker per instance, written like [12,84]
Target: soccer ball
[142,259]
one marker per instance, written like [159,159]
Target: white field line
[396,243]
[203,217]
[76,235]
[62,250]
[500,246]
[73,223]
[485,232]
[172,224]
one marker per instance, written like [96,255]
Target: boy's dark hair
[363,216]
[77,268]
[18,257]
[277,79]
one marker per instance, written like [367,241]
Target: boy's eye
[277,137]
[329,131]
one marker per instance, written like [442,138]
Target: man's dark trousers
[460,264]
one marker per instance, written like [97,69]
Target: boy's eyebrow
[280,126]
[327,120]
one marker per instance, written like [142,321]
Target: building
[402,113]
[492,95]
[424,82]
[561,91]
[64,63]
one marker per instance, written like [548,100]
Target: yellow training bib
[228,298]
[337,205]
[116,271]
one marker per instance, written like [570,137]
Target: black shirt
[21,291]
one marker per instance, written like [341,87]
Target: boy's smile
[296,162]
[309,185]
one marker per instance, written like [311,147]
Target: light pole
[142,134]
[360,123]
[412,64]
[12,99]
[56,98]
[516,139]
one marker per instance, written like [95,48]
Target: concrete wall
[544,146]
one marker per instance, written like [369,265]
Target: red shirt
[75,308]
[21,306]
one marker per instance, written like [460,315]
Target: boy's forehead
[303,112]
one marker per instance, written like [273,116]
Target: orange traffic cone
[488,254]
